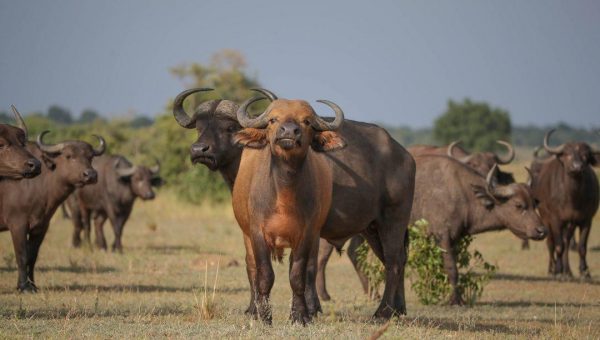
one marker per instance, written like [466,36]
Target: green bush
[426,267]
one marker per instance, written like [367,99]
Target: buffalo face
[15,161]
[215,147]
[72,160]
[515,206]
[574,157]
[141,179]
[290,128]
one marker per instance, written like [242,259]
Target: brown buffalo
[282,194]
[119,184]
[372,190]
[26,207]
[15,161]
[567,189]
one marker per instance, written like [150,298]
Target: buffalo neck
[287,172]
[229,172]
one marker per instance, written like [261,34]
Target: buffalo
[16,161]
[26,207]
[282,194]
[373,183]
[119,184]
[567,189]
[478,204]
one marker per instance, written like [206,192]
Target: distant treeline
[524,136]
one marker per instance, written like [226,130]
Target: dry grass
[163,286]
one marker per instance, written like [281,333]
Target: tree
[88,116]
[59,114]
[476,124]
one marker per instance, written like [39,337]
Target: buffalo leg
[525,244]
[36,237]
[298,270]
[251,271]
[451,270]
[312,298]
[77,227]
[264,278]
[99,220]
[85,222]
[117,224]
[557,235]
[356,242]
[567,237]
[325,250]
[19,238]
[393,237]
[584,233]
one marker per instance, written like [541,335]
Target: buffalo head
[15,161]
[216,124]
[514,204]
[482,162]
[289,127]
[140,178]
[71,160]
[574,156]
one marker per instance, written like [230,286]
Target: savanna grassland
[156,288]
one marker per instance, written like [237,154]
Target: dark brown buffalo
[567,189]
[27,206]
[372,190]
[482,162]
[282,194]
[457,201]
[16,161]
[119,184]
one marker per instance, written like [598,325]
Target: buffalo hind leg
[325,250]
[77,227]
[451,270]
[264,278]
[584,233]
[356,242]
[19,238]
[99,220]
[117,224]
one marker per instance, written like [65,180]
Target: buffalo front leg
[251,271]
[325,250]
[451,270]
[567,238]
[117,224]
[99,220]
[19,238]
[310,294]
[264,278]
[85,222]
[77,227]
[584,233]
[299,259]
[36,237]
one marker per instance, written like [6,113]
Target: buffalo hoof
[76,243]
[251,311]
[324,295]
[117,249]
[586,276]
[456,300]
[28,287]
[299,318]
[384,314]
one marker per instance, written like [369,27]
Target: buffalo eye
[68,156]
[306,122]
[272,120]
[231,128]
[2,145]
[520,206]
[536,203]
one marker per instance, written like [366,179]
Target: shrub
[426,267]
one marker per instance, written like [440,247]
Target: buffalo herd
[311,184]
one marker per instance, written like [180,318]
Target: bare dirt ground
[155,288]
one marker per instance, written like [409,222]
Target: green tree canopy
[88,116]
[60,114]
[476,124]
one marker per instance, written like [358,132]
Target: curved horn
[554,151]
[100,150]
[530,177]
[536,152]
[247,122]
[50,148]
[124,172]
[511,153]
[156,168]
[20,122]
[272,96]
[179,113]
[321,125]
[493,189]
[450,150]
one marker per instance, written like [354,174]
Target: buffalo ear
[483,196]
[48,161]
[157,182]
[251,137]
[327,141]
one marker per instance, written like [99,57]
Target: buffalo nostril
[200,147]
[541,230]
[297,131]
[90,174]
[32,164]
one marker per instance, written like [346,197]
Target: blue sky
[396,62]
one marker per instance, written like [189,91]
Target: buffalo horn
[49,148]
[554,151]
[20,122]
[156,168]
[511,153]
[502,191]
[100,150]
[179,113]
[124,172]
[245,121]
[321,125]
